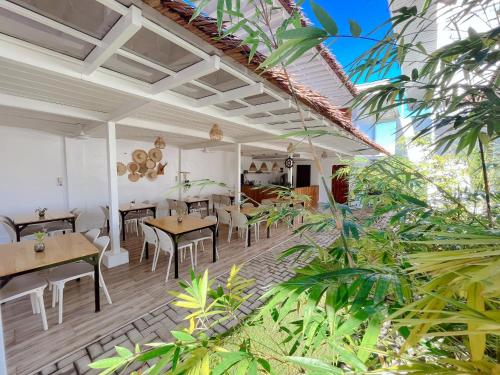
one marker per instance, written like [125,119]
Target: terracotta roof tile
[206,28]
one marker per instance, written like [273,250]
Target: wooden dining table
[249,212]
[175,230]
[20,258]
[196,200]
[23,221]
[127,208]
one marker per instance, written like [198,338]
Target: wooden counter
[258,194]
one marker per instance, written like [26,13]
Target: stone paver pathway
[156,325]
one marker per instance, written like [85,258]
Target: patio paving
[156,324]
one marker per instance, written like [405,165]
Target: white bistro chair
[166,244]
[150,237]
[59,276]
[29,284]
[224,218]
[202,235]
[240,221]
[92,234]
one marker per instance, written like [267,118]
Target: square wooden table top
[170,224]
[287,200]
[248,211]
[136,206]
[34,218]
[20,257]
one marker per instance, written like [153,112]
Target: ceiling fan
[82,135]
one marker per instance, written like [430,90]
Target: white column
[179,174]
[237,184]
[117,255]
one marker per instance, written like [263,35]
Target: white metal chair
[172,205]
[58,228]
[224,218]
[29,284]
[225,200]
[240,221]
[150,237]
[195,214]
[92,234]
[166,244]
[59,276]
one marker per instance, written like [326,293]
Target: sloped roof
[206,28]
[324,52]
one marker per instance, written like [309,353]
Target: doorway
[303,176]
[340,186]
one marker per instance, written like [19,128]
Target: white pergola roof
[78,64]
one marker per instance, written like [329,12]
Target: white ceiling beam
[207,144]
[285,117]
[309,124]
[16,50]
[119,34]
[169,128]
[18,102]
[17,9]
[241,92]
[114,5]
[191,73]
[126,109]
[257,138]
[274,106]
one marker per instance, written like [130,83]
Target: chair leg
[41,306]
[105,289]
[33,303]
[54,295]
[60,289]
[192,259]
[155,258]
[143,249]
[230,231]
[168,267]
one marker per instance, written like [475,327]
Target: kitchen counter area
[258,193]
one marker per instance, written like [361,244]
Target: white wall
[32,161]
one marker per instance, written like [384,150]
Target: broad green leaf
[309,32]
[324,19]
[113,362]
[315,365]
[354,28]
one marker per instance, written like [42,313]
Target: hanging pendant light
[275,167]
[216,133]
[290,148]
[253,167]
[263,167]
[324,155]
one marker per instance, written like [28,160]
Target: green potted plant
[39,245]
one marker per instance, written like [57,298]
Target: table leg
[214,243]
[18,233]
[268,231]
[169,212]
[97,296]
[73,225]
[147,250]
[154,212]
[176,256]
[189,207]
[249,235]
[123,214]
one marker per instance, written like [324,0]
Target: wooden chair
[29,284]
[59,276]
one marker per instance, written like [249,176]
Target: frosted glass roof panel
[133,69]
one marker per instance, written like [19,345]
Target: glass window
[33,32]
[222,81]
[259,99]
[192,91]
[87,16]
[133,69]
[230,105]
[153,47]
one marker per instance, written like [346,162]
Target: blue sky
[367,13]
